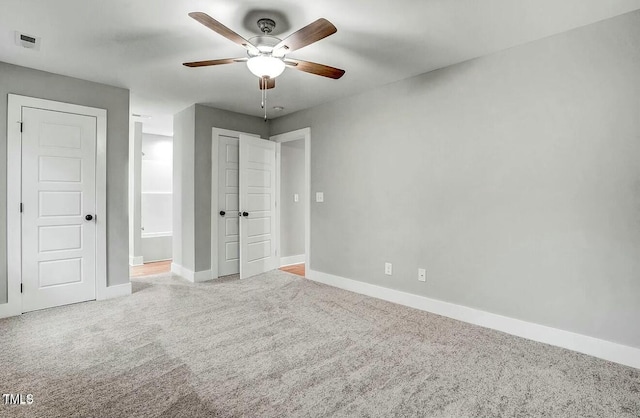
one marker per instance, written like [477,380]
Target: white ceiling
[140,44]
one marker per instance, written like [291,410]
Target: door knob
[222,213]
[245,213]
[88,217]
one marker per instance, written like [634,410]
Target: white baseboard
[176,269]
[292,259]
[607,350]
[185,273]
[203,276]
[158,260]
[10,309]
[193,277]
[136,261]
[109,292]
[116,291]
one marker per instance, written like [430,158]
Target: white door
[257,205]
[59,202]
[228,251]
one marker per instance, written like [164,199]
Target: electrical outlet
[319,197]
[388,269]
[422,275]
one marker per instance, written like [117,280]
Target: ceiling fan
[266,54]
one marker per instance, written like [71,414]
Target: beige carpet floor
[278,345]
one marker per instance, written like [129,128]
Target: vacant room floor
[279,345]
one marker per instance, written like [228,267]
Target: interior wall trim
[136,261]
[185,273]
[202,276]
[607,350]
[115,291]
[299,134]
[291,260]
[190,275]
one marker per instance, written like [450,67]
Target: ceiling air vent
[27,41]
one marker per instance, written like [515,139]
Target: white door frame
[215,134]
[14,185]
[305,134]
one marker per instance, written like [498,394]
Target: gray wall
[192,133]
[135,179]
[33,83]
[514,179]
[157,248]
[183,190]
[291,212]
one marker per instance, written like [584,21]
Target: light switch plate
[319,197]
[422,275]
[296,197]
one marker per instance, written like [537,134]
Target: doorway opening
[291,209]
[150,199]
[293,197]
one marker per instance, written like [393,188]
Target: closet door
[257,189]
[228,219]
[59,208]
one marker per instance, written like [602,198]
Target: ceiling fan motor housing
[266,25]
[265,44]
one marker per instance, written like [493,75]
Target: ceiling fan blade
[213,62]
[311,33]
[221,29]
[270,83]
[314,68]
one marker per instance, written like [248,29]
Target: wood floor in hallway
[160,267]
[148,269]
[294,269]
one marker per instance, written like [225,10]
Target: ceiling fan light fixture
[265,66]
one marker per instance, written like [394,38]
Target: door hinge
[21,207]
[20,287]
[20,126]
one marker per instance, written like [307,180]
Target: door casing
[305,134]
[14,185]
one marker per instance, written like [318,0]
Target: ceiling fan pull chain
[265,100]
